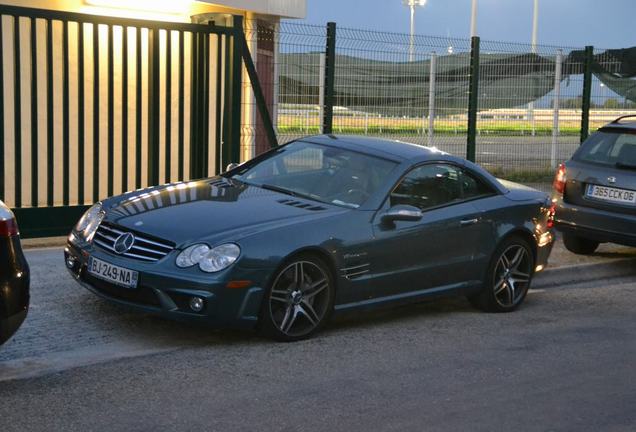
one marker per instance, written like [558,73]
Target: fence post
[257,89]
[330,69]
[275,103]
[321,91]
[237,87]
[555,107]
[195,140]
[231,151]
[2,194]
[587,93]
[473,99]
[431,99]
[153,104]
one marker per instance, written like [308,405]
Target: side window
[623,147]
[472,187]
[429,186]
[435,185]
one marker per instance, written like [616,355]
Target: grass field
[294,124]
[545,175]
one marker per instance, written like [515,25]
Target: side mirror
[402,213]
[231,166]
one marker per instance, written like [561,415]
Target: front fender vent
[355,272]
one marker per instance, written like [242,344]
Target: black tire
[297,305]
[579,245]
[507,282]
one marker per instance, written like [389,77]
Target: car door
[439,250]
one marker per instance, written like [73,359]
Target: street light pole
[412,39]
[535,26]
[473,20]
[412,4]
[535,33]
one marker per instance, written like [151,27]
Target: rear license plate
[112,273]
[611,194]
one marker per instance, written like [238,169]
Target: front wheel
[299,300]
[508,278]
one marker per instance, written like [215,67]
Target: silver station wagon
[595,191]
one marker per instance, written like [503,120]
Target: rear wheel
[508,278]
[579,245]
[299,301]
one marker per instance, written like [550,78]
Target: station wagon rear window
[609,148]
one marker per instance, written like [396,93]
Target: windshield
[609,148]
[326,174]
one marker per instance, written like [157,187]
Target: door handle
[468,222]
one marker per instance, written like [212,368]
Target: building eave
[280,8]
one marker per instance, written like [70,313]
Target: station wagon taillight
[559,179]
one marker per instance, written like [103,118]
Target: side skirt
[411,297]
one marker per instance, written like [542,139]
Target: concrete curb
[45,242]
[580,273]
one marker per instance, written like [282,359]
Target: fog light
[197,304]
[70,262]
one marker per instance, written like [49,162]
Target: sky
[570,23]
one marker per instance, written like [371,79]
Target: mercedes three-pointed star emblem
[124,243]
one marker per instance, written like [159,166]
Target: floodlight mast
[473,19]
[412,4]
[533,46]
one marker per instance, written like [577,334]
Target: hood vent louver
[221,184]
[301,205]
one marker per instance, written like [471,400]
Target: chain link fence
[530,100]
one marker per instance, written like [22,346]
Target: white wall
[282,8]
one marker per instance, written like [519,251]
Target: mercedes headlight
[89,222]
[210,260]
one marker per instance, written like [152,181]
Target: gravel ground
[561,257]
[68,326]
[564,362]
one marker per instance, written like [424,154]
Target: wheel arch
[315,251]
[320,253]
[525,234]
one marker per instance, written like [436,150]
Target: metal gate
[94,106]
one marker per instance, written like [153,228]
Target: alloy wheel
[512,276]
[299,298]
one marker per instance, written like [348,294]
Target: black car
[595,191]
[14,276]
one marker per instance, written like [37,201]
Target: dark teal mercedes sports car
[323,224]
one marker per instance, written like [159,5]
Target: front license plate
[112,273]
[623,196]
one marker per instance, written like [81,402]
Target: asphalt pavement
[564,361]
